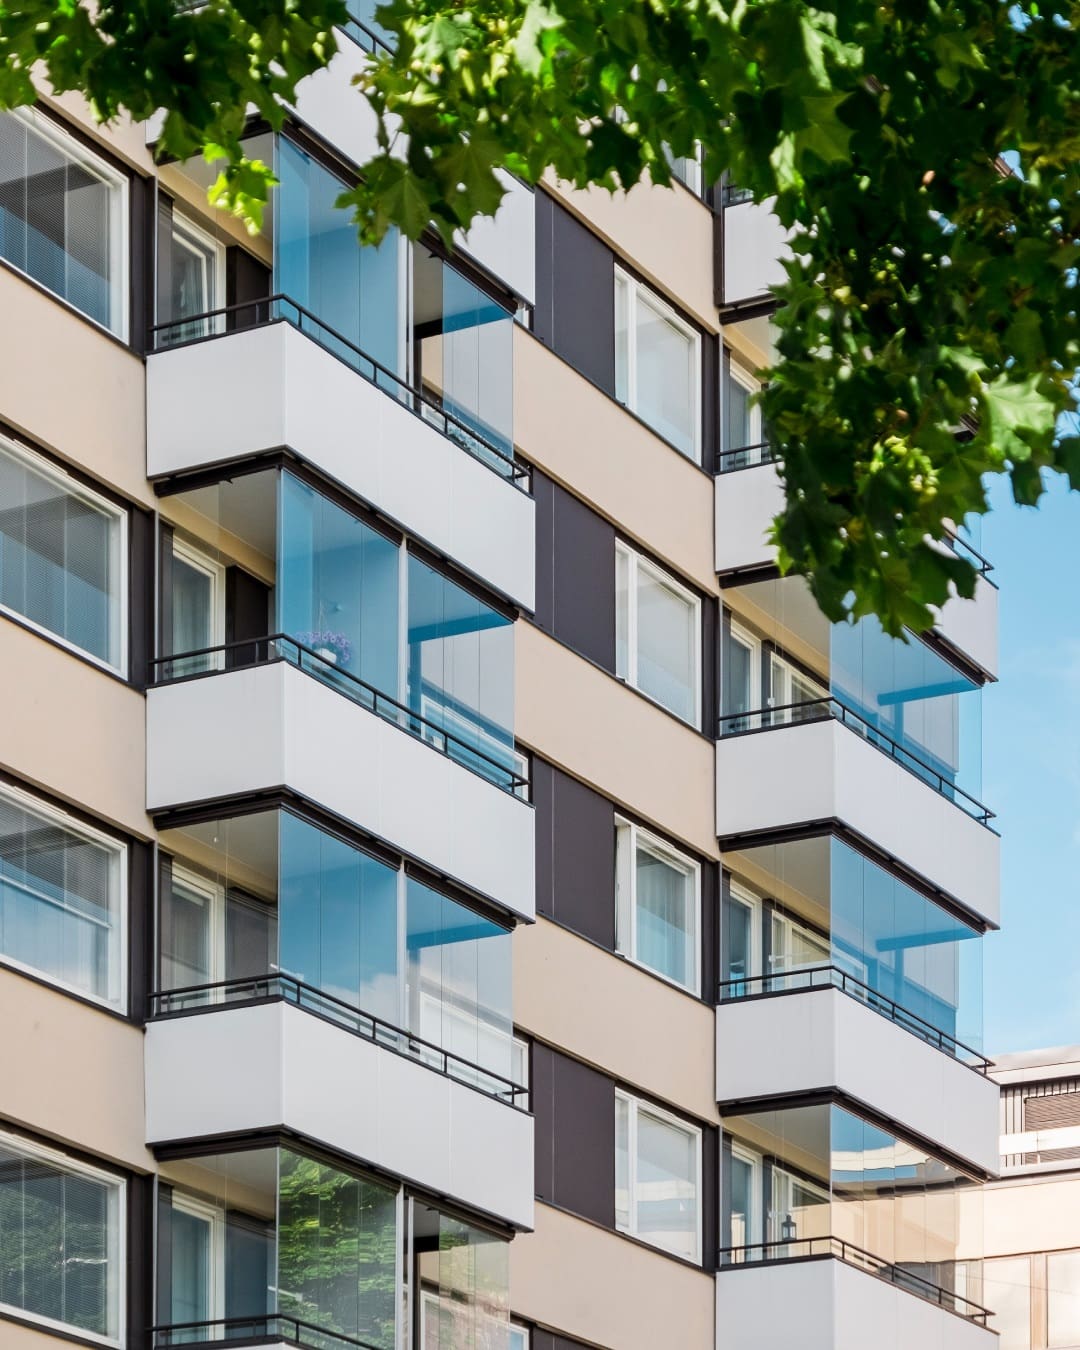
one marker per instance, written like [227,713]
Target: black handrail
[779,982]
[279,986]
[768,455]
[277,1326]
[816,1247]
[354,26]
[734,195]
[826,708]
[276,647]
[956,544]
[279,308]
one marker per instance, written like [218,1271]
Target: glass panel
[60,564]
[740,943]
[350,293]
[187,927]
[1007,1292]
[337,591]
[667,645]
[622,338]
[666,936]
[362,25]
[738,424]
[60,902]
[461,672]
[192,1271]
[744,1205]
[622,1164]
[666,392]
[59,1242]
[793,947]
[623,568]
[740,691]
[57,218]
[666,1191]
[464,1282]
[1063,1300]
[458,990]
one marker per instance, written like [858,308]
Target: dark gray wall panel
[583,860]
[574,1111]
[575,293]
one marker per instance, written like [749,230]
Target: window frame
[201,561]
[58,475]
[626,908]
[636,562]
[190,233]
[28,802]
[213,892]
[64,1162]
[96,164]
[756,1218]
[636,1105]
[741,894]
[735,370]
[635,290]
[749,640]
[214,1215]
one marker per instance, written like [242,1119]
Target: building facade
[1031,1272]
[453,893]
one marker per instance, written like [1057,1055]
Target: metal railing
[957,544]
[252,1330]
[280,987]
[747,457]
[270,309]
[733,195]
[826,708]
[796,981]
[804,1249]
[361,32]
[280,647]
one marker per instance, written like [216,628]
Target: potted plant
[334,648]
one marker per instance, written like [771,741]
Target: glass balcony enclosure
[782,662]
[271,905]
[812,912]
[350,605]
[400,315]
[273,1245]
[818,1181]
[749,348]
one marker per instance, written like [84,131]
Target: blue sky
[1031,772]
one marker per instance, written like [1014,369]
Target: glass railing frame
[280,987]
[852,1255]
[409,397]
[262,1328]
[828,708]
[835,977]
[276,647]
[767,454]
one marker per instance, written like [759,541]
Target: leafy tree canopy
[927,325]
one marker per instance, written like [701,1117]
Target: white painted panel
[971,626]
[824,771]
[272,726]
[820,1039]
[754,243]
[828,1305]
[330,104]
[384,1110]
[505,244]
[747,500]
[266,388]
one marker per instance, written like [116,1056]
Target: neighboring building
[452,892]
[1031,1275]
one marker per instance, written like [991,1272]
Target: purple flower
[327,640]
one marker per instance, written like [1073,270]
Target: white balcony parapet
[272,726]
[754,245]
[235,1070]
[821,1039]
[830,1304]
[271,387]
[816,771]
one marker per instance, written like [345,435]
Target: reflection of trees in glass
[466,1289]
[337,1250]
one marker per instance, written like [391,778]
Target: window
[63,217]
[197,1234]
[686,168]
[520,1337]
[197,282]
[62,556]
[741,680]
[742,941]
[62,899]
[788,694]
[743,434]
[795,695]
[657,635]
[657,365]
[657,904]
[61,1245]
[1063,1300]
[746,1194]
[657,1177]
[1006,1289]
[198,608]
[794,947]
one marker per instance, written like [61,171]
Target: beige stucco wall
[1032,1214]
[596,728]
[602,1288]
[71,1072]
[571,430]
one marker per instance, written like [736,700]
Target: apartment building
[1031,1271]
[453,893]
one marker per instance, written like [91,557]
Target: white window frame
[634,1107]
[750,900]
[636,563]
[750,640]
[214,894]
[119,562]
[119,249]
[696,172]
[629,838]
[210,567]
[117,1213]
[119,851]
[203,241]
[788,673]
[790,925]
[522,1333]
[755,1220]
[737,372]
[214,1215]
[637,293]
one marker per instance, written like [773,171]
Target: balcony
[755,244]
[833,1298]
